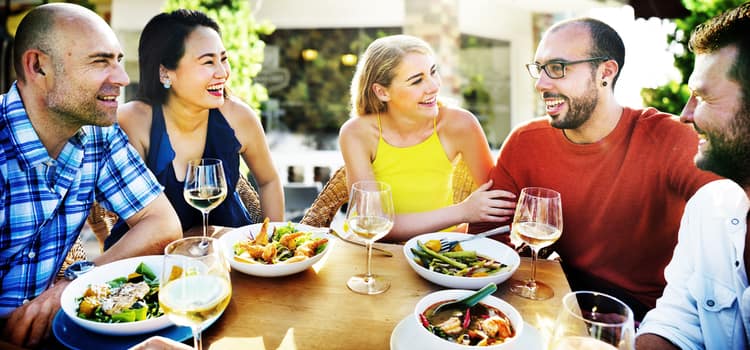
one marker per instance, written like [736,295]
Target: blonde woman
[400,133]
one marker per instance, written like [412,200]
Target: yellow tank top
[419,175]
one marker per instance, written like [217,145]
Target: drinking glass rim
[171,244]
[541,192]
[382,186]
[204,161]
[628,318]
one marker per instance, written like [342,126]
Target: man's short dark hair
[34,32]
[730,28]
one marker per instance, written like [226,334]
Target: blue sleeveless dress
[221,143]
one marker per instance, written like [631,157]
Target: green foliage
[317,98]
[241,35]
[673,96]
[668,98]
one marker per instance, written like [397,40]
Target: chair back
[101,220]
[336,192]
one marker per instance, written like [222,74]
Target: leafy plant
[241,35]
[672,97]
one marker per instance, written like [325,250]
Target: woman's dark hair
[163,43]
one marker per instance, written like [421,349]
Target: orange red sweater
[622,197]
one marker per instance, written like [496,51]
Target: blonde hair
[378,65]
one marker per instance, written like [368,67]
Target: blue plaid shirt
[44,202]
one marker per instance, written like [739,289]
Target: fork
[446,245]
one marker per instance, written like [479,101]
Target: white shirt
[706,303]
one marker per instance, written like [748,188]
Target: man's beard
[727,157]
[579,110]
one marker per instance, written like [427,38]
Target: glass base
[533,290]
[363,284]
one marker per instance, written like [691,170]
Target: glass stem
[368,276]
[197,341]
[532,281]
[205,223]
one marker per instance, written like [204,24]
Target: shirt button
[737,263]
[32,255]
[710,303]
[735,221]
[25,301]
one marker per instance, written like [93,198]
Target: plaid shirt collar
[28,149]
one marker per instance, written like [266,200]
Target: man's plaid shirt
[44,202]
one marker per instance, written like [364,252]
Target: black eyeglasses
[556,69]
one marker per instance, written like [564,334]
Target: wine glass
[592,320]
[538,222]
[370,216]
[194,288]
[205,186]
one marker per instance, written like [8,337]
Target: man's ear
[381,92]
[610,70]
[35,64]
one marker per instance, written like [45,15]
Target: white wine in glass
[205,186]
[370,216]
[194,287]
[538,222]
[593,321]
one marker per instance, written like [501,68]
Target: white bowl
[434,342]
[275,270]
[106,273]
[486,247]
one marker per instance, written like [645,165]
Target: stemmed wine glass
[370,216]
[538,222]
[205,186]
[194,288]
[592,320]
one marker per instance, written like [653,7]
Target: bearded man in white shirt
[706,303]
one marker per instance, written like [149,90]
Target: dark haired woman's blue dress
[221,143]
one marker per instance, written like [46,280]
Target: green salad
[130,298]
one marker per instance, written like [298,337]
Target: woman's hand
[487,205]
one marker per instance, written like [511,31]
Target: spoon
[470,300]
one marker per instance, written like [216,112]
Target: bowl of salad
[490,324]
[119,298]
[275,249]
[469,265]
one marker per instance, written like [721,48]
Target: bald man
[61,151]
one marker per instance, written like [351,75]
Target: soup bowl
[432,341]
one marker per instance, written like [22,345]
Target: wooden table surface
[315,310]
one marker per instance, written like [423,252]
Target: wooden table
[315,310]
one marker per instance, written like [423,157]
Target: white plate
[276,270]
[103,274]
[404,337]
[483,246]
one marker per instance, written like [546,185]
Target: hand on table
[30,324]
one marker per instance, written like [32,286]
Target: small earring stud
[167,84]
[604,83]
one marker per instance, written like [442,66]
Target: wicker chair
[76,253]
[336,193]
[101,220]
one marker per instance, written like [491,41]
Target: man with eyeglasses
[624,174]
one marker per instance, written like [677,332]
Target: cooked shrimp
[497,327]
[308,248]
[451,326]
[269,252]
[290,240]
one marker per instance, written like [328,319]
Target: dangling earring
[167,83]
[604,83]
